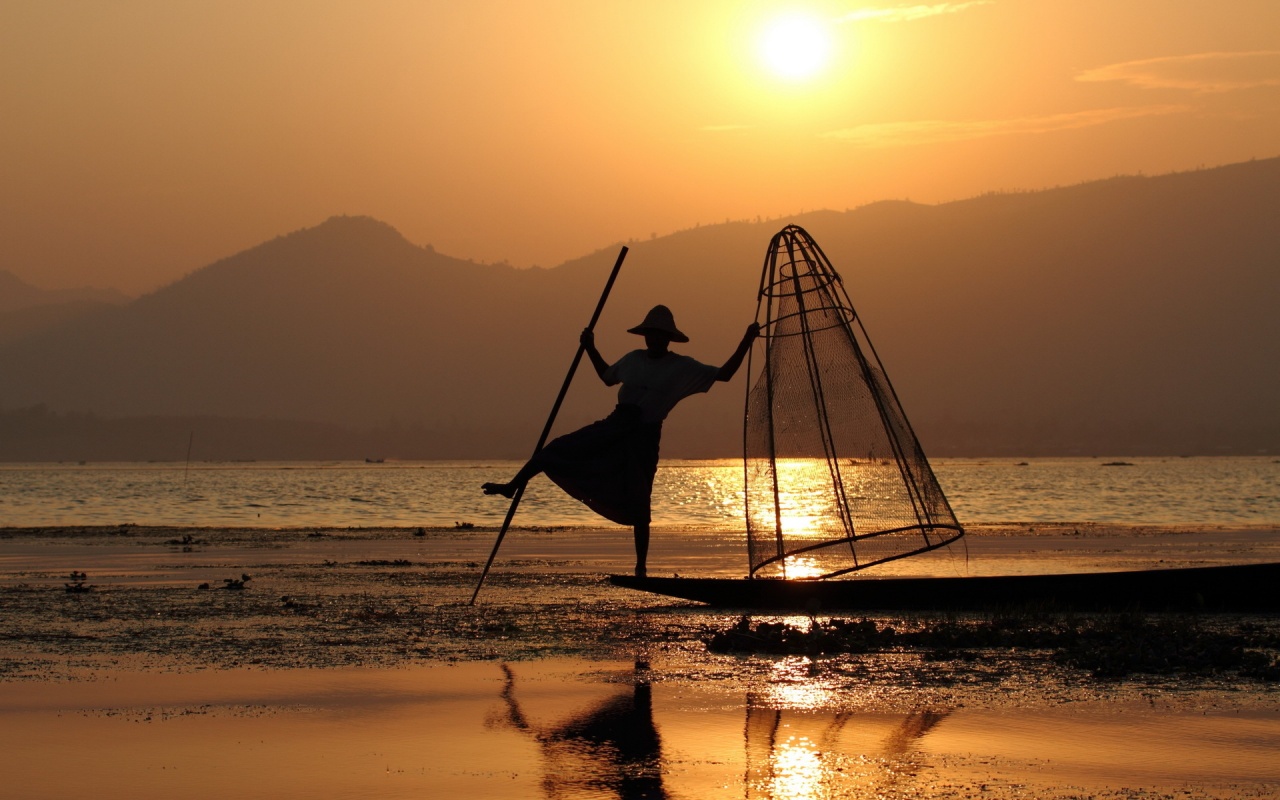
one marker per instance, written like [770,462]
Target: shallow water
[578,729]
[350,665]
[688,495]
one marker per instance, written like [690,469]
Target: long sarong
[608,465]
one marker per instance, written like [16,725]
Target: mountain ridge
[26,310]
[1117,316]
[16,294]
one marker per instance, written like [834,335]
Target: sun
[795,46]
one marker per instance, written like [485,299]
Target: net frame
[802,301]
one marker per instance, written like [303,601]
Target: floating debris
[1107,646]
[77,584]
[236,584]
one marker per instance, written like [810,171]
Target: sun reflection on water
[804,506]
[797,770]
[802,567]
[792,684]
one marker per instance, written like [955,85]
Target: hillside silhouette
[1128,316]
[26,309]
[16,294]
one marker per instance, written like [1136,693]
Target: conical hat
[660,320]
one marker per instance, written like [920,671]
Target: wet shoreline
[370,606]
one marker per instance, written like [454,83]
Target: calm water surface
[696,495]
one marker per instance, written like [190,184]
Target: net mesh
[835,477]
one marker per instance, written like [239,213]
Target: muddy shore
[90,607]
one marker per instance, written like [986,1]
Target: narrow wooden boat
[1244,588]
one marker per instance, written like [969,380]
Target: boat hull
[1247,588]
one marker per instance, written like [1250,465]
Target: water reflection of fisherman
[609,465]
[614,747]
[781,755]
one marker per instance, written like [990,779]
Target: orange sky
[142,139]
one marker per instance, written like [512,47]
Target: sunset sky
[143,139]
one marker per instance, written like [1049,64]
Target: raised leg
[508,490]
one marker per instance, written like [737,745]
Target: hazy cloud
[909,13]
[1200,72]
[899,134]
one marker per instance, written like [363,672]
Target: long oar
[546,430]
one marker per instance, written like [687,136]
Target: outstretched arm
[588,340]
[731,366]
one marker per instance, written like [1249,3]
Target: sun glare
[795,47]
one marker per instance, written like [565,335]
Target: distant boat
[836,482]
[374,460]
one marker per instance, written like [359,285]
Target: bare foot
[507,490]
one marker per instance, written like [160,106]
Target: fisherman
[609,465]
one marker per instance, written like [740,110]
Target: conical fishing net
[835,477]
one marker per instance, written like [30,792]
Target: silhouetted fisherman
[609,465]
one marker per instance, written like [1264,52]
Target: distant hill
[25,309]
[16,294]
[1129,316]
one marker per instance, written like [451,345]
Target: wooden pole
[546,429]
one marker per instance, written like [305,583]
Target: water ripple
[693,495]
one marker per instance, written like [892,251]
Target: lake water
[688,495]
